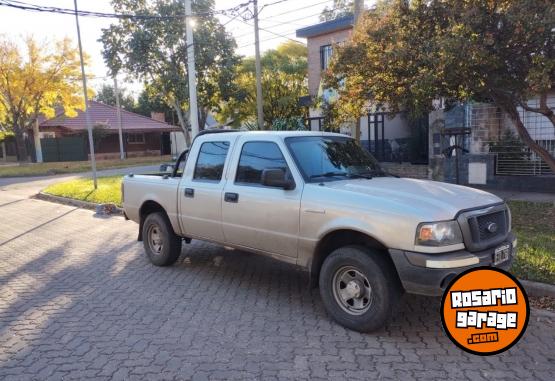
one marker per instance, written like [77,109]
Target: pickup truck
[321,201]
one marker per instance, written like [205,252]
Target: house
[64,138]
[389,139]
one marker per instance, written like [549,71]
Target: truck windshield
[330,158]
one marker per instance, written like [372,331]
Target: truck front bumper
[430,274]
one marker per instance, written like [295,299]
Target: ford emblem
[492,227]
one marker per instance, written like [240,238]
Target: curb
[540,313]
[538,289]
[76,203]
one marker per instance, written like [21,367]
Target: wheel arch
[148,207]
[346,237]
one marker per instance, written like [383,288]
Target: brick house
[387,138]
[65,138]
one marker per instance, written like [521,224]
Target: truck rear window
[210,161]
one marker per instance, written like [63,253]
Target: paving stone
[79,299]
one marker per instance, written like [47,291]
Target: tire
[161,244]
[358,288]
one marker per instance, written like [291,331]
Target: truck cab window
[211,160]
[255,157]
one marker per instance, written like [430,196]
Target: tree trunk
[20,146]
[202,119]
[357,130]
[526,138]
[183,124]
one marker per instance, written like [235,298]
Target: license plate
[501,254]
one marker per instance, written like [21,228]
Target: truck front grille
[485,228]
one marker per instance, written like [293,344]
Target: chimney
[159,116]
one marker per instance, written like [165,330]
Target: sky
[279,19]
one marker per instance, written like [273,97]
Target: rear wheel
[161,244]
[358,289]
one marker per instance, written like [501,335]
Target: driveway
[78,299]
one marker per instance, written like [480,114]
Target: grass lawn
[534,224]
[42,169]
[108,191]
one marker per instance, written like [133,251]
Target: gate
[63,149]
[376,121]
[494,134]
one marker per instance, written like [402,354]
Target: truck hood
[424,197]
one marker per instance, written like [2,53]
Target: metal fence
[494,133]
[64,149]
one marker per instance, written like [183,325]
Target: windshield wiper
[345,174]
[330,174]
[360,176]
[382,173]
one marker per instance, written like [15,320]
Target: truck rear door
[201,187]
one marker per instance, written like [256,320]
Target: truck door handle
[231,197]
[189,192]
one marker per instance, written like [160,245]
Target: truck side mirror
[276,177]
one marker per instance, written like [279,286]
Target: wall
[313,45]
[406,170]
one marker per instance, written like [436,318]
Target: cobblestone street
[79,299]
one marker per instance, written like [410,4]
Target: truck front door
[257,216]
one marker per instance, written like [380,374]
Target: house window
[47,135]
[325,56]
[136,138]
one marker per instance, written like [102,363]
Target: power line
[281,35]
[271,32]
[297,19]
[274,3]
[66,11]
[278,23]
[264,40]
[298,9]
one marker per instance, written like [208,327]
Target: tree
[150,101]
[155,50]
[284,72]
[405,55]
[107,95]
[36,81]
[340,8]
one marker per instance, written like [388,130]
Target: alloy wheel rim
[352,290]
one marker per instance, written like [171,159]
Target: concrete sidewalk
[508,195]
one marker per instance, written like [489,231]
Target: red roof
[107,116]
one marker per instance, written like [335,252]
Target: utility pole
[259,100]
[87,115]
[191,71]
[358,11]
[118,115]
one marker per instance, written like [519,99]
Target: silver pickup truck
[320,201]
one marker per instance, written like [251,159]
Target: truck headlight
[442,233]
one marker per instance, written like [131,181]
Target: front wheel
[161,244]
[358,289]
